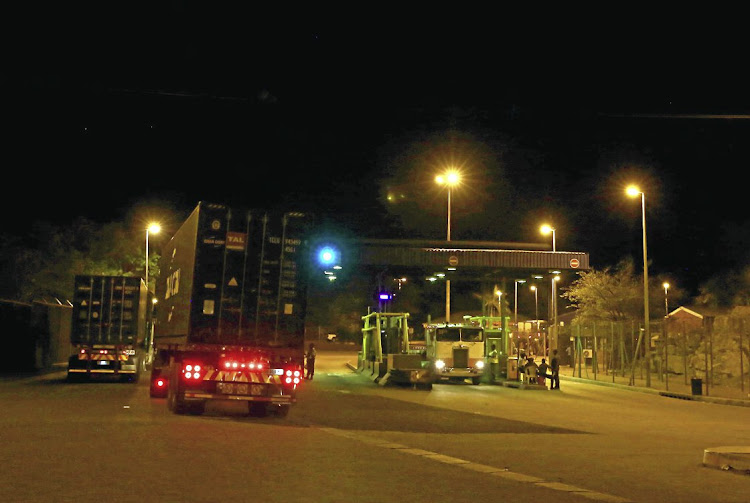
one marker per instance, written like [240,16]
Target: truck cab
[457,350]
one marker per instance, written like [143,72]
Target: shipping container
[108,327]
[230,312]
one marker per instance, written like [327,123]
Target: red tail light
[241,364]
[292,377]
[192,371]
[160,382]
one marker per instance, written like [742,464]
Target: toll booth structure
[386,353]
[496,332]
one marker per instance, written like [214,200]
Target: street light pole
[449,179]
[153,228]
[547,229]
[666,335]
[515,302]
[634,192]
[536,308]
[553,333]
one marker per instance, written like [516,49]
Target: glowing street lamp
[666,299]
[634,191]
[546,229]
[153,228]
[450,179]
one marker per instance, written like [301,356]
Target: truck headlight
[479,364]
[440,364]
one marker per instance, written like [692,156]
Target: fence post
[579,350]
[742,367]
[594,354]
[684,353]
[623,355]
[708,326]
[636,357]
[666,352]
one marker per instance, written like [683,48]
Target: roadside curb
[668,394]
[728,458]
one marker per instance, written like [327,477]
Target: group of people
[544,371]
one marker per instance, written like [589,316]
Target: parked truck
[458,350]
[108,327]
[231,304]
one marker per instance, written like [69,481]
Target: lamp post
[553,305]
[666,334]
[515,302]
[153,228]
[449,179]
[546,229]
[634,191]
[536,307]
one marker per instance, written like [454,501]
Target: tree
[45,264]
[607,295]
[727,289]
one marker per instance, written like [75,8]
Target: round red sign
[453,260]
[574,263]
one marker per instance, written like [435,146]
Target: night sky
[548,120]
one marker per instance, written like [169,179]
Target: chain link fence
[709,356]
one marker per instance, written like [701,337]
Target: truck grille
[460,357]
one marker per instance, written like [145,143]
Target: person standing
[494,358]
[555,366]
[310,357]
[543,368]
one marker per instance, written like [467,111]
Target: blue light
[385,296]
[328,255]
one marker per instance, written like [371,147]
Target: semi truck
[108,327]
[457,350]
[230,312]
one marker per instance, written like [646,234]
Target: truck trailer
[108,327]
[230,312]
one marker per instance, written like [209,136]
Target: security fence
[710,357]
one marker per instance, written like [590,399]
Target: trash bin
[696,385]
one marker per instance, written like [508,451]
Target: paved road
[349,439]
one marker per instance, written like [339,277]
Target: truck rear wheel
[175,401]
[278,410]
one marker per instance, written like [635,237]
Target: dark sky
[550,116]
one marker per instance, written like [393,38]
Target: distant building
[687,318]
